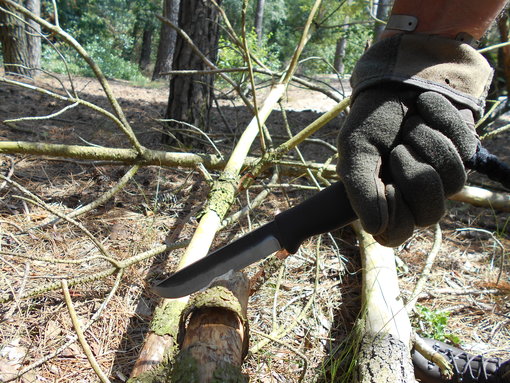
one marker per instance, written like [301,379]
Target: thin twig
[291,348]
[101,274]
[73,100]
[9,174]
[190,72]
[431,257]
[39,202]
[51,259]
[73,338]
[81,335]
[101,200]
[47,117]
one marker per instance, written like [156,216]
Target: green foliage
[433,324]
[109,30]
[113,66]
[230,56]
[283,25]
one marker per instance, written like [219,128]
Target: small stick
[418,288]
[81,336]
[74,337]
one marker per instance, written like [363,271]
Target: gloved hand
[410,128]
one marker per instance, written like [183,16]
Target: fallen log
[214,334]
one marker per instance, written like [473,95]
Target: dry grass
[322,278]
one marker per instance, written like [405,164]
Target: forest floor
[466,298]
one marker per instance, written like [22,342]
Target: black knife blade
[325,211]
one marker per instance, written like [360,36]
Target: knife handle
[325,211]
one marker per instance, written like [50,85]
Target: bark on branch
[385,353]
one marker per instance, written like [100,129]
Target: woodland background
[122,139]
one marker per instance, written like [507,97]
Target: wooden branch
[420,284]
[81,336]
[274,156]
[153,157]
[126,156]
[223,192]
[386,343]
[484,198]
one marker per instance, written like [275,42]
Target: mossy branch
[154,157]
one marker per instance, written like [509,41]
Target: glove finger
[440,114]
[419,184]
[360,175]
[368,134]
[400,223]
[438,151]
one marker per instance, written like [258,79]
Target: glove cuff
[449,67]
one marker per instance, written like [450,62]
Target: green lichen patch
[166,318]
[222,194]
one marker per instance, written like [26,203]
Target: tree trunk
[504,52]
[191,96]
[14,43]
[145,52]
[383,10]
[167,37]
[33,35]
[341,45]
[259,20]
[338,64]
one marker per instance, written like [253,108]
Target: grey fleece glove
[403,144]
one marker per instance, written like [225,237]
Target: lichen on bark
[166,318]
[384,359]
[222,194]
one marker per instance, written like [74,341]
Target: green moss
[222,194]
[227,373]
[186,369]
[166,318]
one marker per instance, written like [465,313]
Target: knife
[325,211]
